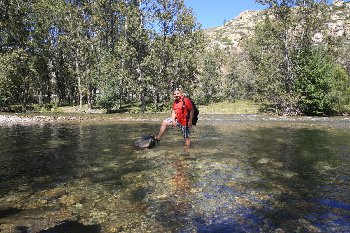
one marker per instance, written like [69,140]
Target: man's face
[177,95]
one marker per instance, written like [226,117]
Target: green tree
[287,31]
[65,51]
[323,86]
[122,65]
[17,51]
[138,43]
[266,58]
[212,78]
[175,44]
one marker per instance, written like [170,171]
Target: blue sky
[213,13]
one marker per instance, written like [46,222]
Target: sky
[213,13]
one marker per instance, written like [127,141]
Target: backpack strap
[184,104]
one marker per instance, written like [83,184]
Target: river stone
[146,142]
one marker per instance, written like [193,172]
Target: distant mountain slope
[232,32]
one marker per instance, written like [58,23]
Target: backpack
[195,113]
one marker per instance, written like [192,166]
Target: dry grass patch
[237,107]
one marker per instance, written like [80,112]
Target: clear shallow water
[242,174]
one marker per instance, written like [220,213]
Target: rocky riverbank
[35,119]
[30,119]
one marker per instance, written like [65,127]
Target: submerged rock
[146,142]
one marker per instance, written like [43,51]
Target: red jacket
[182,108]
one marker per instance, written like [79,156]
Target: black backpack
[196,111]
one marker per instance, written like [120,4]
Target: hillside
[233,31]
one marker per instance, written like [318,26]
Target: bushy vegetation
[100,52]
[112,54]
[322,86]
[291,72]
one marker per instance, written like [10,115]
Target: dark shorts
[186,132]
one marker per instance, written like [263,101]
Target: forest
[112,53]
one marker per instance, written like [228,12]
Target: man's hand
[173,117]
[189,124]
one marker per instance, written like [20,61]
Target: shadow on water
[35,157]
[72,227]
[8,212]
[34,152]
[46,168]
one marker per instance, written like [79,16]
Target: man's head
[177,94]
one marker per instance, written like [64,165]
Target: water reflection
[241,175]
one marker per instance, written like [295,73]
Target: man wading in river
[181,116]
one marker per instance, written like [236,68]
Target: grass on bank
[226,107]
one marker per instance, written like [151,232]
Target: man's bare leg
[162,129]
[187,142]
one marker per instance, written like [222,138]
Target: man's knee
[166,122]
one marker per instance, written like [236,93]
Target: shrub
[322,85]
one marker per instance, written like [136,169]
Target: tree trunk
[288,63]
[79,80]
[52,90]
[143,100]
[40,97]
[25,95]
[89,98]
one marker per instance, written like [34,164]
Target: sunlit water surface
[242,174]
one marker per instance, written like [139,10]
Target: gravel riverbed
[37,119]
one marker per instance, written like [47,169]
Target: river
[243,173]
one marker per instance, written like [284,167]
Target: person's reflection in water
[181,185]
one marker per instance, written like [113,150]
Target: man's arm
[189,123]
[173,117]
[189,106]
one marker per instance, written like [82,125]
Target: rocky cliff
[232,32]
